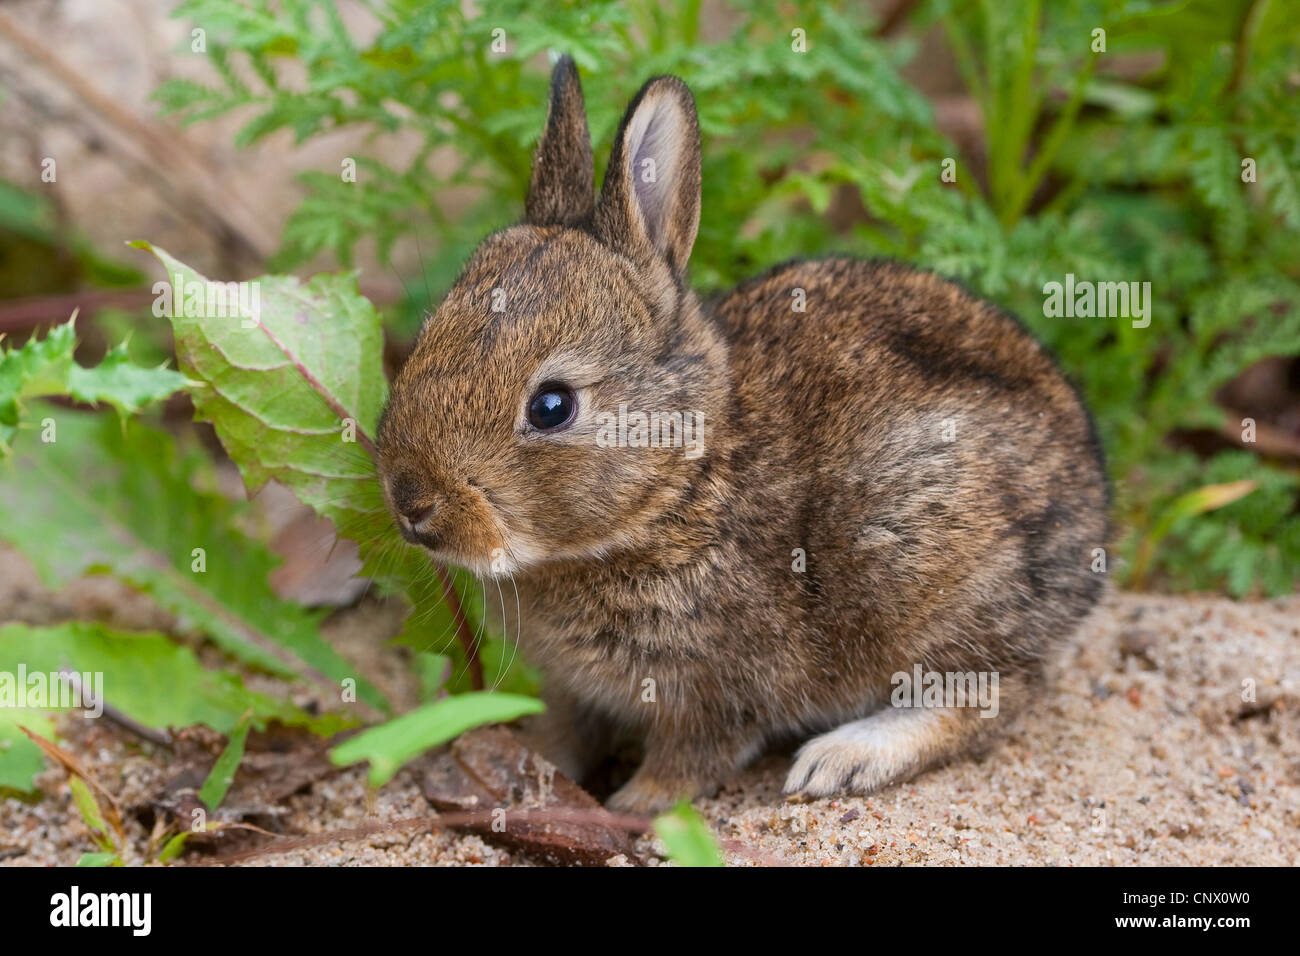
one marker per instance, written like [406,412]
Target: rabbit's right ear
[650,202]
[562,190]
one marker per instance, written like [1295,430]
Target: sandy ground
[1142,752]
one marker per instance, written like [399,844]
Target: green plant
[45,367]
[430,72]
[125,499]
[1095,165]
[391,745]
[109,853]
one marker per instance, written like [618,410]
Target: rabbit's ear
[650,201]
[562,190]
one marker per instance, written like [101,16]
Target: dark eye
[551,408]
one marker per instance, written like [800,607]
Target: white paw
[864,755]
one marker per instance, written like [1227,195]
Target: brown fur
[825,430]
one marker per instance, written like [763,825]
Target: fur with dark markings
[824,431]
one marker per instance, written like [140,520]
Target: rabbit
[895,479]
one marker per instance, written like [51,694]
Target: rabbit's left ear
[650,201]
[562,190]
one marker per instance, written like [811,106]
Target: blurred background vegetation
[1114,156]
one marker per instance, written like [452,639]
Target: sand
[1142,752]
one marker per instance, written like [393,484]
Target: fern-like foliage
[1123,160]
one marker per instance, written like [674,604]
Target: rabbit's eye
[551,408]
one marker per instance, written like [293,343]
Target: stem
[691,22]
[1051,146]
[464,634]
[1024,97]
[1250,26]
[970,74]
[168,157]
[113,715]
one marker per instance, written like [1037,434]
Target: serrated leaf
[286,396]
[45,368]
[107,499]
[283,396]
[282,393]
[391,745]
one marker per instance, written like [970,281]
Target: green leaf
[20,759]
[286,395]
[146,676]
[223,771]
[45,367]
[118,382]
[125,501]
[1192,503]
[432,670]
[687,838]
[90,813]
[99,859]
[391,745]
[173,847]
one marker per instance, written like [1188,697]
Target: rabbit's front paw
[683,767]
[867,754]
[646,796]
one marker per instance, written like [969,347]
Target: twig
[1269,439]
[151,734]
[463,632]
[19,315]
[71,765]
[475,818]
[897,16]
[164,154]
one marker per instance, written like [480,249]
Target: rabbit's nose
[411,501]
[417,514]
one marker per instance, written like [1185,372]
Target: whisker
[505,628]
[519,633]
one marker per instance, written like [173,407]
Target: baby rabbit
[745,520]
